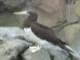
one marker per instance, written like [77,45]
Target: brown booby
[44,35]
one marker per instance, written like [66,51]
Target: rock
[71,34]
[39,55]
[13,3]
[11,32]
[77,8]
[12,49]
[9,6]
[15,46]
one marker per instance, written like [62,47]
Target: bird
[44,35]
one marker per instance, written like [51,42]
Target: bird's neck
[32,36]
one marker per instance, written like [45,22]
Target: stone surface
[14,46]
[9,6]
[71,34]
[10,49]
[77,8]
[13,2]
[51,12]
[39,55]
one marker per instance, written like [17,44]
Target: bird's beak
[25,12]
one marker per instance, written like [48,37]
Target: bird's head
[32,17]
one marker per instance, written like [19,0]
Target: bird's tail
[73,52]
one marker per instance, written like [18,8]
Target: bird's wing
[46,33]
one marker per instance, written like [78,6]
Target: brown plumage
[42,31]
[48,34]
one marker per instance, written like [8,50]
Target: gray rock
[71,34]
[9,6]
[17,48]
[12,49]
[39,55]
